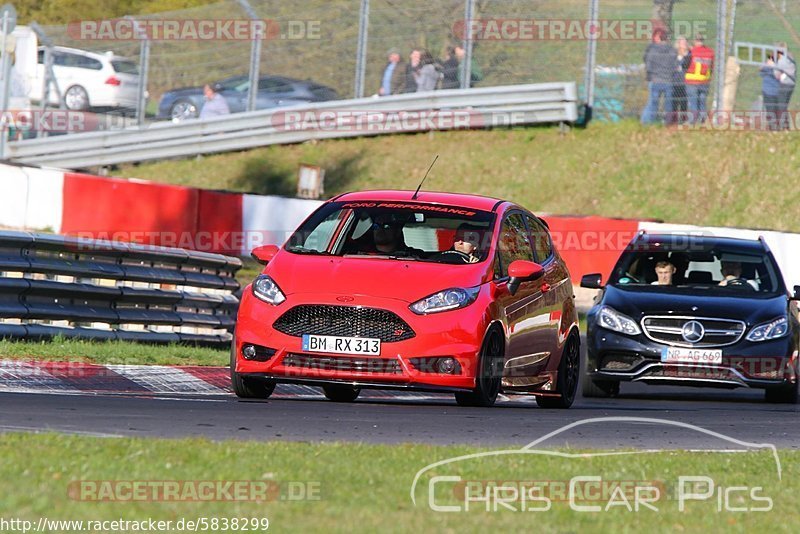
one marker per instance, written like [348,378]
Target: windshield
[396,230]
[721,268]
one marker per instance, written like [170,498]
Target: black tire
[76,98]
[249,387]
[338,393]
[782,394]
[487,385]
[569,372]
[599,389]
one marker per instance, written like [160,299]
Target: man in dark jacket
[411,69]
[660,60]
[450,68]
[770,91]
[394,75]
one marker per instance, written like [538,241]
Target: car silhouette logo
[693,331]
[345,299]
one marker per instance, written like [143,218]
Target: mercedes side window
[514,243]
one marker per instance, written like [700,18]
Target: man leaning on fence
[786,73]
[660,60]
[698,79]
[394,75]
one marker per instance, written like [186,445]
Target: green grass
[739,179]
[365,488]
[111,352]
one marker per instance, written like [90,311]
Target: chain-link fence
[344,44]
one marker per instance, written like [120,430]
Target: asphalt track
[741,414]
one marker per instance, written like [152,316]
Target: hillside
[626,170]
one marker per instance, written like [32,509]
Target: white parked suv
[88,79]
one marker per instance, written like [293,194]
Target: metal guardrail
[491,106]
[53,285]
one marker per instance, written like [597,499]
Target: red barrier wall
[142,212]
[590,244]
[219,223]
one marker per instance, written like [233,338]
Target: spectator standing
[428,76]
[679,97]
[476,74]
[215,104]
[450,70]
[698,78]
[393,78]
[770,92]
[786,73]
[660,60]
[411,70]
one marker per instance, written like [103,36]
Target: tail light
[113,80]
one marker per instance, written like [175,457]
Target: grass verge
[111,352]
[620,170]
[366,488]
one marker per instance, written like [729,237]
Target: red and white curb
[78,378]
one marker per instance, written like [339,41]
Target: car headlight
[772,330]
[449,299]
[267,290]
[611,319]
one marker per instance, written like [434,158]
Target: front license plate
[341,345]
[698,356]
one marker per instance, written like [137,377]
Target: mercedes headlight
[772,330]
[449,299]
[611,319]
[266,289]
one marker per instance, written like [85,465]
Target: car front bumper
[617,357]
[457,334]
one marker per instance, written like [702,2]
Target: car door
[525,313]
[273,92]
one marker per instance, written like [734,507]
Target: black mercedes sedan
[697,311]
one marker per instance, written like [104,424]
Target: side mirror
[522,271]
[592,281]
[264,253]
[796,295]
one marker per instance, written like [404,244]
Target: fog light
[249,352]
[447,366]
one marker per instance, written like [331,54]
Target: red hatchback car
[429,291]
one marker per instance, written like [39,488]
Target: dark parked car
[273,91]
[725,318]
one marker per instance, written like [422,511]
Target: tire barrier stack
[54,285]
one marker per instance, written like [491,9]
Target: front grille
[341,363]
[717,332]
[346,321]
[692,373]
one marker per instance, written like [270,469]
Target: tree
[662,15]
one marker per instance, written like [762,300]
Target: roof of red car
[477,202]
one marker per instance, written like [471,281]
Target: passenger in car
[665,271]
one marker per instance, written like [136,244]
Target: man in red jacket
[698,78]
